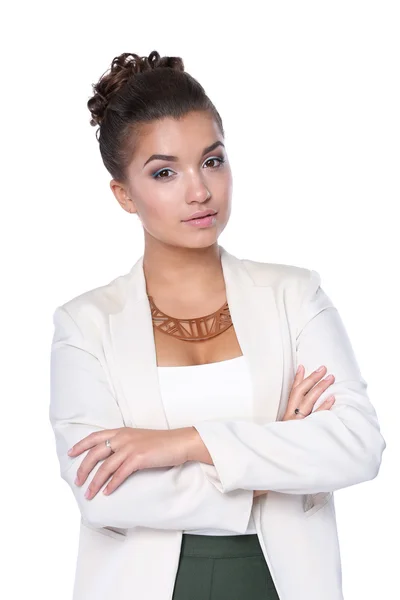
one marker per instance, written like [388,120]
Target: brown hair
[138,90]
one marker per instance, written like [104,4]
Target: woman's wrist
[195,447]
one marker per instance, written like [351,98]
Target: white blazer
[104,375]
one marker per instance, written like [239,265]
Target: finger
[124,471]
[301,386]
[89,441]
[299,375]
[109,466]
[308,383]
[326,404]
[90,461]
[311,397]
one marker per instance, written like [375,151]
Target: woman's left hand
[133,449]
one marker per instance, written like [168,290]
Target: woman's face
[193,176]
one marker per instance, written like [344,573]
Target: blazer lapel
[255,319]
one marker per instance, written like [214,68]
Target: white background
[309,96]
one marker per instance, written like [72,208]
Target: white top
[214,391]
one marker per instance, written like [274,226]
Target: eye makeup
[220,160]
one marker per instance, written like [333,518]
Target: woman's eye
[158,174]
[220,161]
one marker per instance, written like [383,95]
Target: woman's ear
[122,196]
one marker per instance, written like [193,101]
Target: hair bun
[123,68]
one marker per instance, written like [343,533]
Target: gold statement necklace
[191,330]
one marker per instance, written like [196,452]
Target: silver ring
[297,412]
[109,445]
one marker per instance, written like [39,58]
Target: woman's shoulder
[97,301]
[278,274]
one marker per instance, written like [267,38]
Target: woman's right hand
[303,395]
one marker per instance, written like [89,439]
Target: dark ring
[297,412]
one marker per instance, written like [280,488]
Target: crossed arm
[82,402]
[326,451]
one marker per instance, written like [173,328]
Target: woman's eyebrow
[175,158]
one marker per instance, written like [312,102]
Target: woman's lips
[203,221]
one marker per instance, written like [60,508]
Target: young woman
[193,418]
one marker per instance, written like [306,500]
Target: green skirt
[226,567]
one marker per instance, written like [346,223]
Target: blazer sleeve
[81,402]
[325,451]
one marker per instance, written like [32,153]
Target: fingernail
[87,493]
[298,369]
[76,479]
[69,451]
[320,369]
